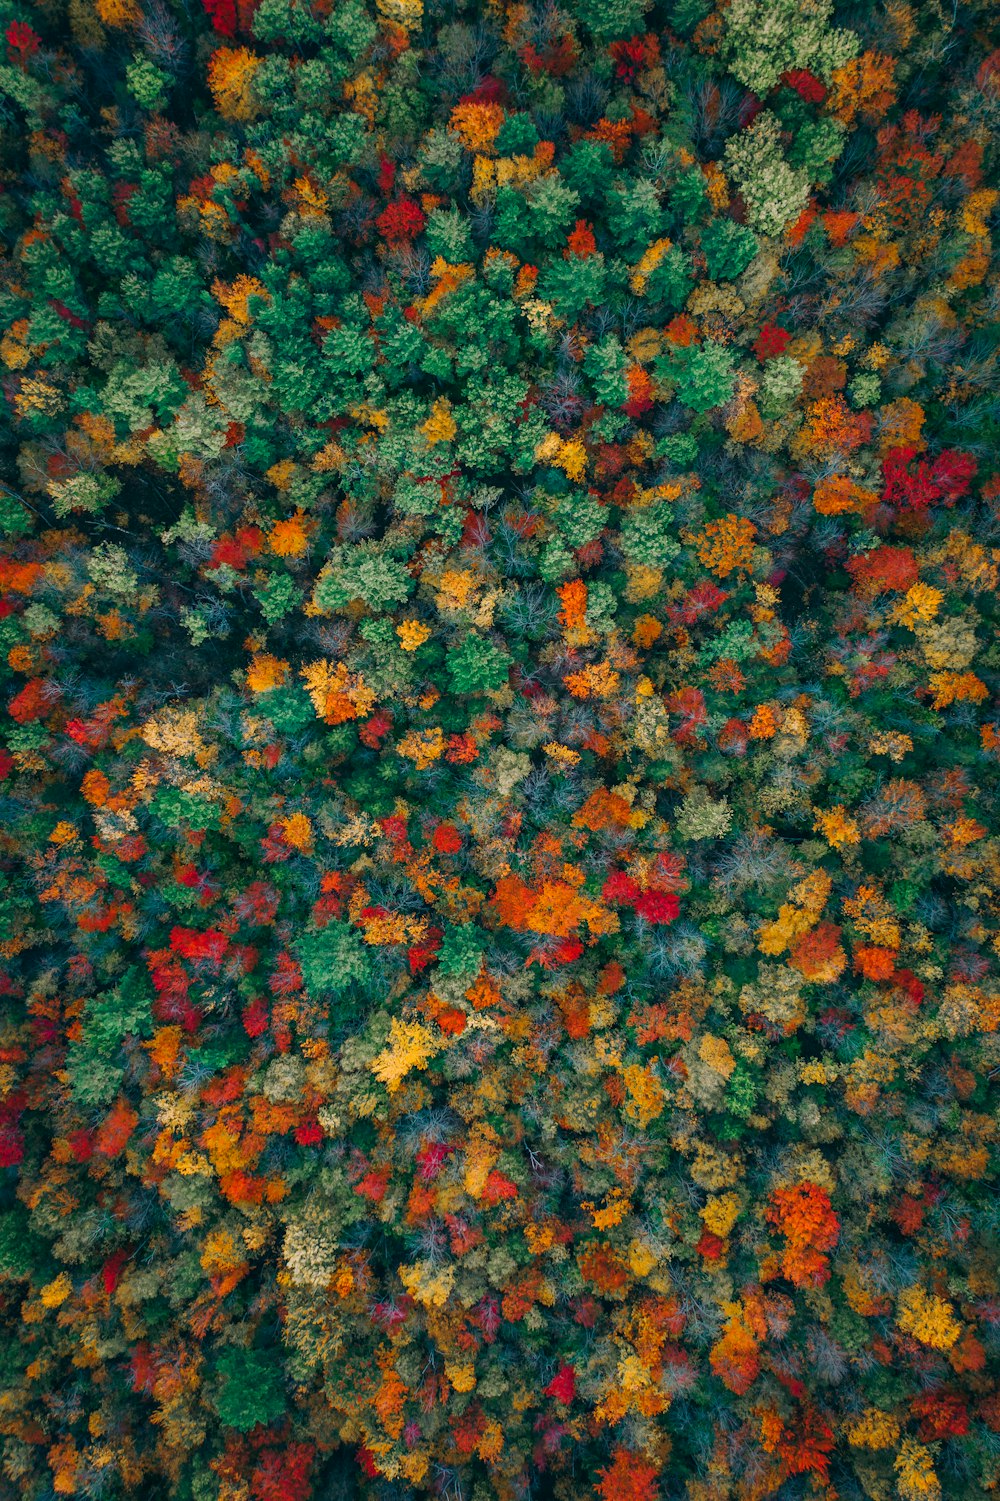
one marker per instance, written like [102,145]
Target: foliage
[499,866]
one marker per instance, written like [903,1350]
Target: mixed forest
[499,750]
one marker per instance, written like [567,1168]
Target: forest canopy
[499,748]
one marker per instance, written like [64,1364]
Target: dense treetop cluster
[499,740]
